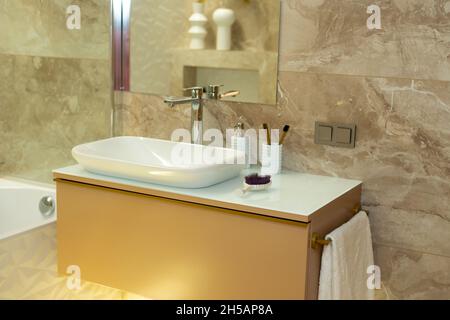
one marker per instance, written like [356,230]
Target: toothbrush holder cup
[271,159]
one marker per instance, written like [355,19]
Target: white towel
[343,274]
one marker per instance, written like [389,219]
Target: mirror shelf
[191,68]
[163,61]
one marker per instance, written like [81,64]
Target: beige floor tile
[28,270]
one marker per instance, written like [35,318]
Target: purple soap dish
[256,182]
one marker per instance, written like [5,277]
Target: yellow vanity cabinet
[155,245]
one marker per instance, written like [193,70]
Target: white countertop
[291,192]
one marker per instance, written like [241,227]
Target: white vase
[224,19]
[198,31]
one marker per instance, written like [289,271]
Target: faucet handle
[194,88]
[196,92]
[229,94]
[215,86]
[213,92]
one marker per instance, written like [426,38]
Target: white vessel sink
[159,161]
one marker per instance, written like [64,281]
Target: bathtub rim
[18,183]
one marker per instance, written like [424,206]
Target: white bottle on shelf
[224,19]
[198,31]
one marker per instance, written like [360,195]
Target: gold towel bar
[317,241]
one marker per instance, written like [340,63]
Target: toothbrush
[284,134]
[266,127]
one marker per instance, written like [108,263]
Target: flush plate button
[335,134]
[325,133]
[343,135]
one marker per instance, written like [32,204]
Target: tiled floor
[28,271]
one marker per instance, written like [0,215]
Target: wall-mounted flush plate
[335,134]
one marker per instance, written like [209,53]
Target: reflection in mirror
[177,44]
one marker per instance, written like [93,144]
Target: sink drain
[47,206]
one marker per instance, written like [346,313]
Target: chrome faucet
[197,103]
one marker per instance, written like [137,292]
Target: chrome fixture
[213,92]
[197,102]
[47,206]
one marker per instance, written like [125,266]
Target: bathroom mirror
[177,44]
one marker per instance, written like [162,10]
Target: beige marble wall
[55,84]
[327,36]
[38,28]
[49,105]
[155,33]
[393,84]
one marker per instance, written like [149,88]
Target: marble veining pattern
[38,28]
[55,83]
[49,105]
[331,36]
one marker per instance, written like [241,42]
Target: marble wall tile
[38,28]
[331,36]
[49,105]
[422,231]
[148,116]
[414,275]
[402,151]
[151,54]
